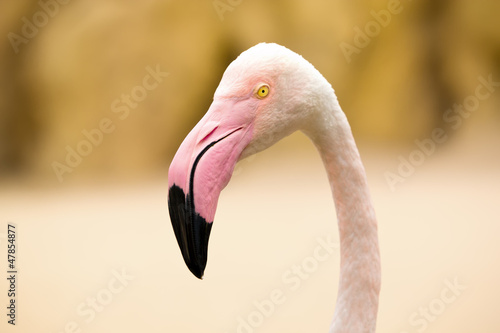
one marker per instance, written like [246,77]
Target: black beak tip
[197,271]
[191,230]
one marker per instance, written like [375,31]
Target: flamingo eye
[263,91]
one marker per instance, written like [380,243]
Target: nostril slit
[208,134]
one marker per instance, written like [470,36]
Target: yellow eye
[263,91]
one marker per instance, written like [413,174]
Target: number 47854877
[11,246]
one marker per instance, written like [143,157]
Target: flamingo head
[267,93]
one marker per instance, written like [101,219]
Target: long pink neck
[359,286]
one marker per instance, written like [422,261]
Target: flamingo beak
[201,168]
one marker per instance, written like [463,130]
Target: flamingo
[265,94]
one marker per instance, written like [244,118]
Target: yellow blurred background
[96,97]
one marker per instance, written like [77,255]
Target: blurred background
[96,96]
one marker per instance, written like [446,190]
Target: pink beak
[201,168]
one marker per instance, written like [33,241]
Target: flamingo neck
[359,285]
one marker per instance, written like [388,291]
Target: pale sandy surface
[442,224]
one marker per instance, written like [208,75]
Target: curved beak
[201,168]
